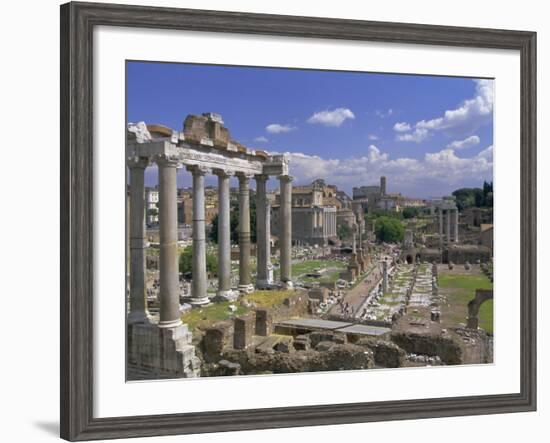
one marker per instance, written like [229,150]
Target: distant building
[185,205]
[376,197]
[151,206]
[407,202]
[314,214]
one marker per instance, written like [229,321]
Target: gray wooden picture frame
[77,24]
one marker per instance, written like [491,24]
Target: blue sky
[429,135]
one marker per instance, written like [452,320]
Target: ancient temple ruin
[203,147]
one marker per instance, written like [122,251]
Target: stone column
[285,237]
[448,226]
[168,219]
[138,299]
[384,277]
[440,211]
[224,236]
[263,232]
[244,234]
[199,283]
[456,225]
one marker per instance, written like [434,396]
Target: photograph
[285,220]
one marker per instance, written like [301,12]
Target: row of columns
[451,216]
[169,267]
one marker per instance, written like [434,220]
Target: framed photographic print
[273,221]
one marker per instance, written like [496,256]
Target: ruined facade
[204,147]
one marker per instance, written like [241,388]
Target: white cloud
[373,137]
[384,114]
[375,155]
[332,118]
[401,127]
[418,135]
[469,116]
[276,128]
[261,139]
[464,144]
[487,153]
[435,174]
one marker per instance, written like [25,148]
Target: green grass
[463,288]
[268,299]
[203,317]
[208,315]
[485,316]
[334,267]
[466,282]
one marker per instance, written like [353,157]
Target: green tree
[468,197]
[234,223]
[186,262]
[410,212]
[344,232]
[389,230]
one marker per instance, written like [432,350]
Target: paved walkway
[356,296]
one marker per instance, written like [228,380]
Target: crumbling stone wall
[338,357]
[386,354]
[445,346]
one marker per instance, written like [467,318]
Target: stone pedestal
[243,331]
[264,322]
[162,352]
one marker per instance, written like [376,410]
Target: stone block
[301,343]
[162,352]
[320,294]
[243,332]
[285,345]
[213,342]
[264,322]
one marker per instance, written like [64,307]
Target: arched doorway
[482,295]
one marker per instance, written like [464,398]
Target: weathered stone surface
[339,357]
[267,346]
[323,346]
[264,321]
[386,353]
[285,345]
[320,336]
[213,342]
[302,343]
[139,131]
[320,294]
[162,352]
[445,346]
[243,331]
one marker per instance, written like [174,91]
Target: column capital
[167,161]
[223,173]
[285,178]
[244,177]
[137,162]
[261,177]
[198,170]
